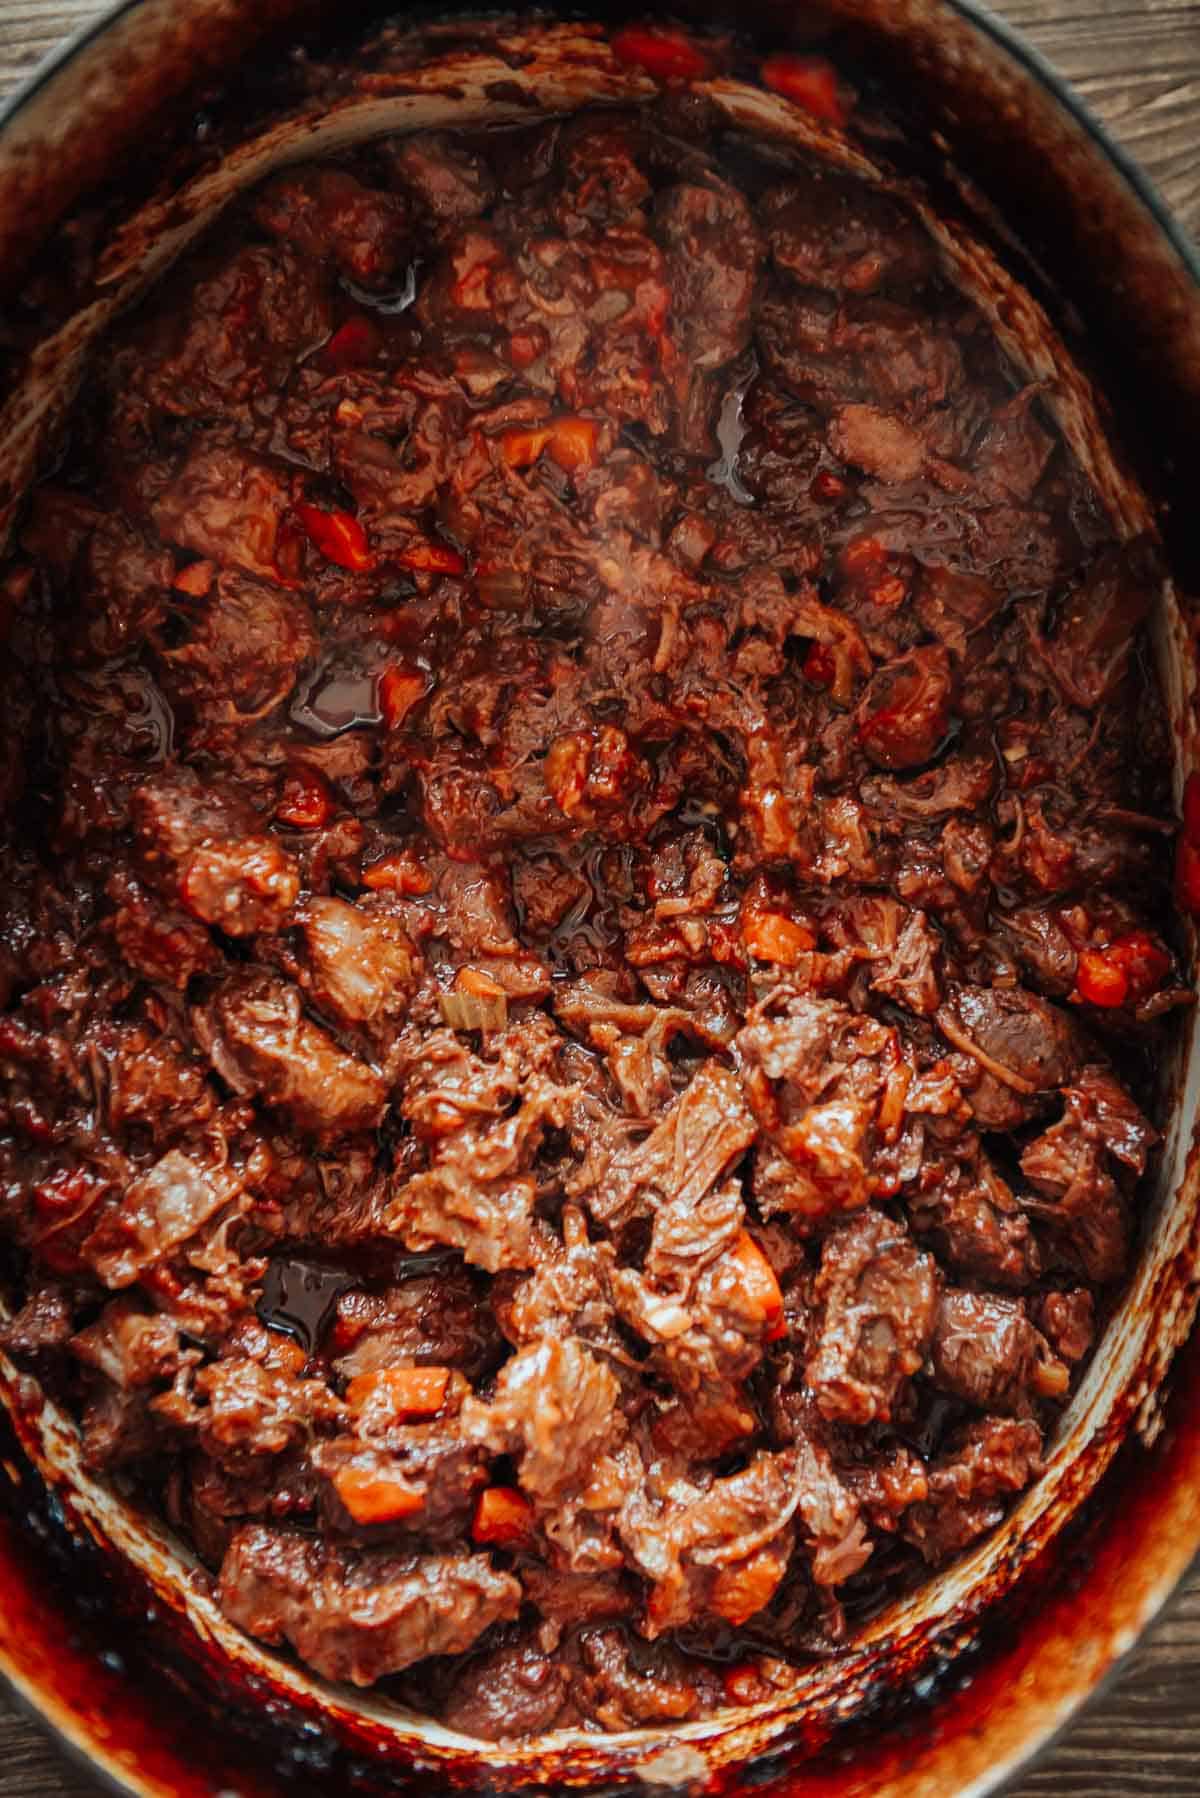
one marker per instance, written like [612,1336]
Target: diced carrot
[770,936]
[522,447]
[353,344]
[474,980]
[741,1591]
[570,440]
[1125,971]
[397,691]
[808,81]
[195,579]
[1191,809]
[305,801]
[404,1392]
[503,1517]
[759,1286]
[338,535]
[430,558]
[819,665]
[573,443]
[1099,980]
[1187,875]
[667,55]
[400,873]
[376,1497]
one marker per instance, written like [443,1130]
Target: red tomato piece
[353,344]
[1100,980]
[1144,962]
[338,535]
[808,81]
[667,55]
[305,801]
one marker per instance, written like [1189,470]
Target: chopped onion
[476,1003]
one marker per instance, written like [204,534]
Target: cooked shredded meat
[582,914]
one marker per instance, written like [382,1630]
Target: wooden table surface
[1137,63]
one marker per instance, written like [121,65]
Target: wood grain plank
[1137,63]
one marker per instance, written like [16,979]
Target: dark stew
[582,914]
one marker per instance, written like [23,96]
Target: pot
[1059,239]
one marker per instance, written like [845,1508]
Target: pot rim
[74,1738]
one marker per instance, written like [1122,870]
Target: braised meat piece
[359,1615]
[327,212]
[206,849]
[878,1297]
[261,1042]
[583,913]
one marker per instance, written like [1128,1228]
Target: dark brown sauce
[299,1298]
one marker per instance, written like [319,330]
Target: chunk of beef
[1020,1042]
[968,1486]
[903,948]
[953,605]
[707,1298]
[878,1297]
[1069,1321]
[554,1408]
[451,181]
[602,181]
[566,1294]
[978,1227]
[703,1134]
[161,942]
[829,231]
[158,1211]
[904,715]
[515,1691]
[618,1694]
[226,505]
[713,256]
[877,443]
[477,1194]
[233,336]
[813,1072]
[260,1043]
[325,212]
[359,1615]
[360,965]
[1068,1163]
[1039,942]
[986,1350]
[203,847]
[44,1321]
[131,1347]
[869,351]
[437,1319]
[1011,455]
[246,646]
[247,1405]
[119,579]
[1098,620]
